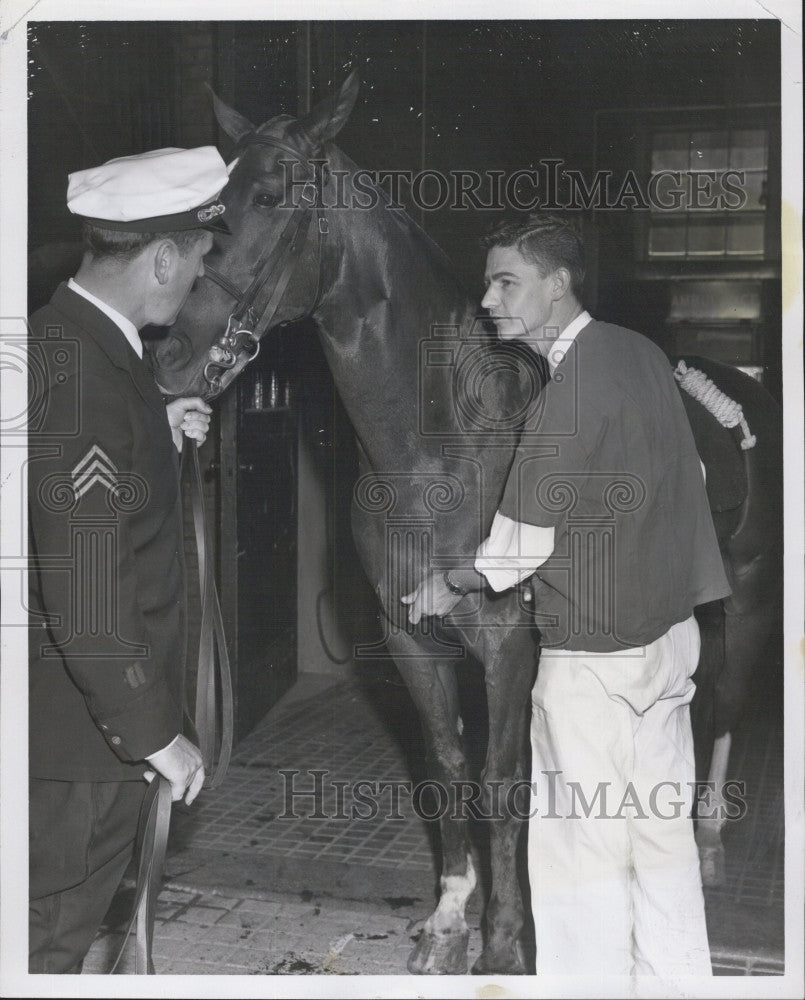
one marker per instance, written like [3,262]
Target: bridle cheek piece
[256,307]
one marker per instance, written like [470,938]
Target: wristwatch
[458,591]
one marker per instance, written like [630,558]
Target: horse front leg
[712,754]
[510,660]
[745,637]
[712,815]
[442,945]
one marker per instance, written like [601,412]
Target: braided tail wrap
[726,411]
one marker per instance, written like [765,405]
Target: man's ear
[561,282]
[164,257]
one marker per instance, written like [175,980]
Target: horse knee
[450,761]
[505,796]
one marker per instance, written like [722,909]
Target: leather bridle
[257,306]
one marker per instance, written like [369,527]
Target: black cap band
[209,216]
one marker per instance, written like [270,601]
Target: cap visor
[218,225]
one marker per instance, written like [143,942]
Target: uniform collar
[126,326]
[97,325]
[561,345]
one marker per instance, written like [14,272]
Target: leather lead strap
[155,813]
[210,695]
[152,843]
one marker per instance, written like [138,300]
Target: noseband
[256,307]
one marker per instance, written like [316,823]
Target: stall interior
[663,138]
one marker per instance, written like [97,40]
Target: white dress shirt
[128,329]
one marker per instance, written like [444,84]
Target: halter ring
[213,381]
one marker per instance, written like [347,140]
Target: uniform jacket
[613,468]
[107,575]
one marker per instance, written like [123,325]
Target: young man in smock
[605,509]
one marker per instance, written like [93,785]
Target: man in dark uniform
[606,502]
[107,572]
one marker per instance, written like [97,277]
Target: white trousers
[613,866]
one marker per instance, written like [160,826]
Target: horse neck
[390,287]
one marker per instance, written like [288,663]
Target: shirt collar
[128,329]
[561,345]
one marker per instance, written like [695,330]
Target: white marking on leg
[717,778]
[448,917]
[720,758]
[712,815]
[460,726]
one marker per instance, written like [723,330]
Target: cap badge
[210,212]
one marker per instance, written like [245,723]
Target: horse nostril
[172,352]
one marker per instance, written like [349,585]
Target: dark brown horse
[437,408]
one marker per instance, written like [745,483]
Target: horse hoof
[506,961]
[440,954]
[713,866]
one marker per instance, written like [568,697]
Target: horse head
[270,271]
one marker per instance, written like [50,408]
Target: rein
[256,307]
[213,732]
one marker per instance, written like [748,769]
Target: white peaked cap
[158,191]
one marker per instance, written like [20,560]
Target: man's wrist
[167,747]
[453,587]
[462,581]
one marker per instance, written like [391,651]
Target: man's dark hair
[547,241]
[110,244]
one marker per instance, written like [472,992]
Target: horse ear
[330,115]
[233,123]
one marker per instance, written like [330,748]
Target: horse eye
[266,200]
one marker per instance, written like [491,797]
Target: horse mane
[403,221]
